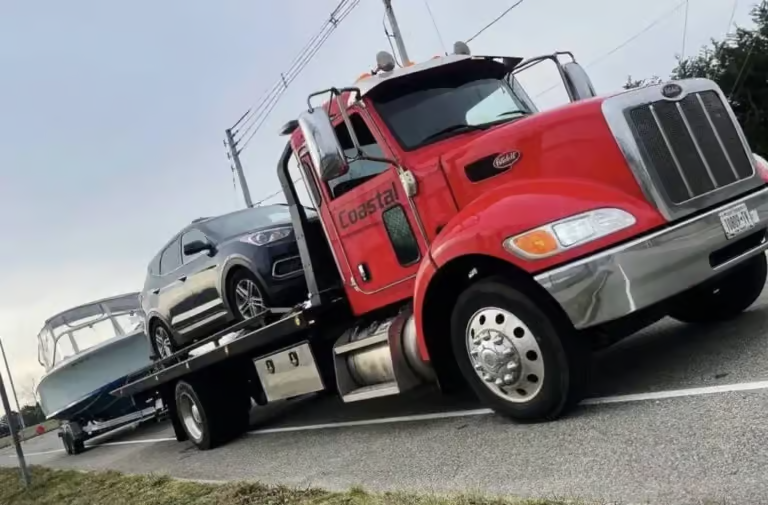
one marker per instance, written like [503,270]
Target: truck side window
[360,170]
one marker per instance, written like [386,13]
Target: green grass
[30,432]
[58,487]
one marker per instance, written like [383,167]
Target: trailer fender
[477,232]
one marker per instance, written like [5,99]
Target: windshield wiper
[511,112]
[455,128]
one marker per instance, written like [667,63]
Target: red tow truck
[467,239]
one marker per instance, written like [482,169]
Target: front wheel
[727,297]
[246,298]
[517,357]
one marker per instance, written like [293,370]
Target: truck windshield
[427,115]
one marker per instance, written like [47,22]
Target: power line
[625,43]
[261,111]
[756,35]
[389,39]
[473,37]
[434,23]
[733,15]
[297,57]
[275,193]
[685,28]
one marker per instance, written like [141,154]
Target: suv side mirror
[577,81]
[323,145]
[197,246]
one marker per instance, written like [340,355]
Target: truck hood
[572,142]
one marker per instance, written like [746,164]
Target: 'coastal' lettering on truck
[378,202]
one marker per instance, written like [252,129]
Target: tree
[641,83]
[739,65]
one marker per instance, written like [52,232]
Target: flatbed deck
[266,338]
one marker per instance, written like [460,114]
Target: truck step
[376,339]
[370,392]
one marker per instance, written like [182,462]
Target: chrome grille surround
[642,122]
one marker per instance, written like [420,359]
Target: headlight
[569,232]
[267,236]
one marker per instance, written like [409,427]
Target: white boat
[88,351]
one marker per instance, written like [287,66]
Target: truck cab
[516,241]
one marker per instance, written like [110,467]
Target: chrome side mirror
[323,145]
[577,81]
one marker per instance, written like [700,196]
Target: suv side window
[154,266]
[170,260]
[360,171]
[191,236]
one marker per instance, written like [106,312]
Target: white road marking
[639,397]
[134,442]
[383,420]
[678,393]
[630,398]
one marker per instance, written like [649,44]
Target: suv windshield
[238,223]
[430,114]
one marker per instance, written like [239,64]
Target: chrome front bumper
[630,277]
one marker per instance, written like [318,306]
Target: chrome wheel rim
[505,354]
[248,299]
[163,342]
[190,416]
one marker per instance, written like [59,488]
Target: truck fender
[480,228]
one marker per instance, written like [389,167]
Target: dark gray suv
[221,270]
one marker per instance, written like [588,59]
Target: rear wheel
[727,297]
[208,417]
[162,342]
[518,358]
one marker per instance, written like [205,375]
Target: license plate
[738,219]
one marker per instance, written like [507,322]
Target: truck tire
[209,417]
[727,297]
[521,359]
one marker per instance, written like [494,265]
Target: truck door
[375,234]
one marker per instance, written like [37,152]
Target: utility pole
[396,32]
[25,478]
[234,155]
[13,388]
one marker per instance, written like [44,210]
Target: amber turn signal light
[536,242]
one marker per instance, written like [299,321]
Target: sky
[112,114]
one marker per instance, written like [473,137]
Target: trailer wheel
[210,418]
[727,297]
[72,446]
[518,358]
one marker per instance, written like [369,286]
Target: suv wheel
[162,342]
[246,297]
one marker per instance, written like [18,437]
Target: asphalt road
[691,430]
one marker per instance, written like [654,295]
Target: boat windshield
[77,330]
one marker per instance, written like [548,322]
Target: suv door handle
[182,278]
[156,291]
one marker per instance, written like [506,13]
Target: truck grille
[691,146]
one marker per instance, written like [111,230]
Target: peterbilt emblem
[671,90]
[506,160]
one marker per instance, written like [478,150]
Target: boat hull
[78,389]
